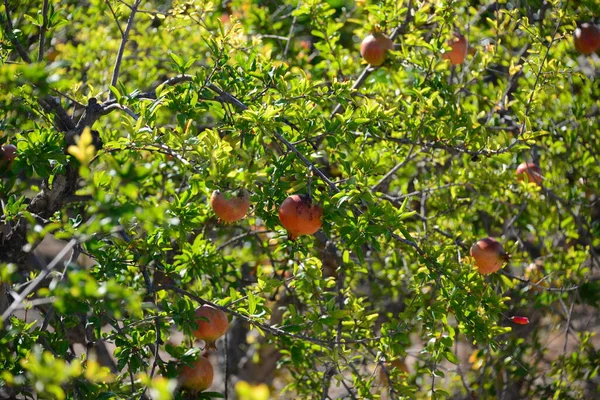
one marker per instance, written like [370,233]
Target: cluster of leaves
[412,162]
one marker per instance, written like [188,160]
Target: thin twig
[66,96]
[291,32]
[124,38]
[569,315]
[240,237]
[529,282]
[111,104]
[272,37]
[409,157]
[115,17]
[36,302]
[35,283]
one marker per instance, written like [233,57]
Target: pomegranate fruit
[230,207]
[8,152]
[212,324]
[198,376]
[299,216]
[374,48]
[458,49]
[586,38]
[531,171]
[489,255]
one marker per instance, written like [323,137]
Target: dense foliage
[127,115]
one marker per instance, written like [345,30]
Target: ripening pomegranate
[586,38]
[299,216]
[458,49]
[197,376]
[489,255]
[230,207]
[530,170]
[374,48]
[212,324]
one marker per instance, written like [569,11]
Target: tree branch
[115,17]
[278,332]
[9,30]
[35,283]
[43,30]
[111,104]
[124,38]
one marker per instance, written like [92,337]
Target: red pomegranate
[299,216]
[586,38]
[458,49]
[212,324]
[489,255]
[198,376]
[230,207]
[374,48]
[8,152]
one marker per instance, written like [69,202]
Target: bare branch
[290,33]
[124,38]
[409,157]
[115,17]
[35,283]
[529,282]
[240,237]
